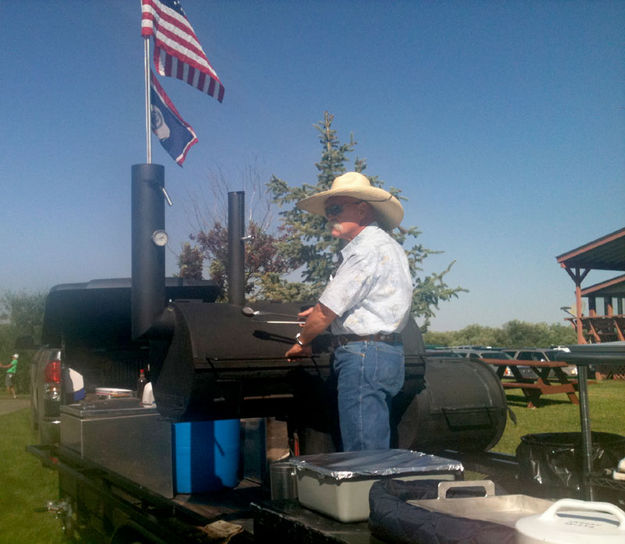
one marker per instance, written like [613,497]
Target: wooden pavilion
[605,253]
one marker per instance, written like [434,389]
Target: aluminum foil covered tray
[374,463]
[338,484]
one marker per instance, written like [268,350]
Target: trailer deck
[244,514]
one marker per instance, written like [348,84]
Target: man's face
[345,216]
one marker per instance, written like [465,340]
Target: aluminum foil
[376,463]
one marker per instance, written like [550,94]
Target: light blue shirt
[372,289]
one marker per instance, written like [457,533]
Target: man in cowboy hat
[366,305]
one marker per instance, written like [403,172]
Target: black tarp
[552,462]
[392,519]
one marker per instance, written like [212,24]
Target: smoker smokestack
[148,260]
[236,248]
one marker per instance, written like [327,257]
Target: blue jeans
[370,374]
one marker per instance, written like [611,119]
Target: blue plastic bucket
[206,455]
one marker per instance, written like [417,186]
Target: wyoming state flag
[174,133]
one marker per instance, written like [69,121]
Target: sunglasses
[337,209]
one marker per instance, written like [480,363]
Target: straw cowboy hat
[388,210]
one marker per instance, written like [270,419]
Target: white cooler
[338,484]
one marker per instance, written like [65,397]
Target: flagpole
[148,121]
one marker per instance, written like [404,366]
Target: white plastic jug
[148,395]
[570,521]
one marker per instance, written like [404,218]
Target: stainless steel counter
[122,436]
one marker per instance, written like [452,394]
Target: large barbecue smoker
[226,399]
[226,360]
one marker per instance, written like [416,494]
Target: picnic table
[544,378]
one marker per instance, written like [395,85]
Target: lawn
[557,414]
[27,486]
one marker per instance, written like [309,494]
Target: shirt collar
[359,239]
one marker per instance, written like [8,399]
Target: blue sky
[502,122]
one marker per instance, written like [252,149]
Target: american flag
[177,51]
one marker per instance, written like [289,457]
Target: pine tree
[307,245]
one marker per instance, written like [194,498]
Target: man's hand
[297,351]
[302,316]
[318,318]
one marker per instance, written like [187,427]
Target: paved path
[8,405]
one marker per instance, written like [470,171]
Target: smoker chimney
[236,248]
[148,297]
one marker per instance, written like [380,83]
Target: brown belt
[342,339]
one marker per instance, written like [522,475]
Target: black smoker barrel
[221,364]
[446,403]
[462,406]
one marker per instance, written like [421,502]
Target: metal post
[582,378]
[148,112]
[578,312]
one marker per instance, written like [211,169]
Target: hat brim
[389,211]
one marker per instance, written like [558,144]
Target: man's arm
[318,320]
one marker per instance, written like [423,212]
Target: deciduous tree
[190,262]
[513,334]
[209,241]
[262,257]
[21,316]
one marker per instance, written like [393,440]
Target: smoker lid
[205,334]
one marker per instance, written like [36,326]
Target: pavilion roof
[605,253]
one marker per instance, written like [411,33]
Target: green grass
[555,413]
[25,486]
